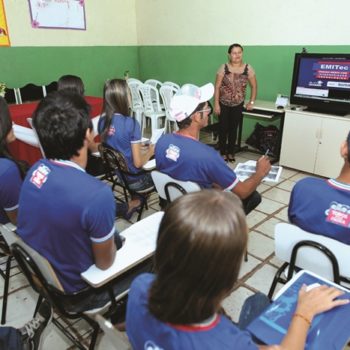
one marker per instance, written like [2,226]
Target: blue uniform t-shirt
[322,207]
[187,159]
[10,187]
[123,132]
[146,332]
[62,212]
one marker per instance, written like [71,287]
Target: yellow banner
[4,33]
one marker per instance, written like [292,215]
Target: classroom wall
[105,50]
[186,41]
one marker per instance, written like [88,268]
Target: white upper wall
[250,22]
[108,23]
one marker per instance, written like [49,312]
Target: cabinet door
[300,141]
[333,133]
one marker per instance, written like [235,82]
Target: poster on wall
[4,33]
[58,14]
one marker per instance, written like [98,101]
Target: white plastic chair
[324,256]
[134,80]
[169,188]
[152,109]
[166,93]
[156,84]
[136,100]
[170,83]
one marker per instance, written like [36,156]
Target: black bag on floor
[264,138]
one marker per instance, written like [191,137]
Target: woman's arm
[218,81]
[141,156]
[310,304]
[253,91]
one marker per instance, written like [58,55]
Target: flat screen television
[321,82]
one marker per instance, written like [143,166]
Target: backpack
[264,138]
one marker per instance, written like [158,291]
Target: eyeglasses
[209,110]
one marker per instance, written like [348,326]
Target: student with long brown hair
[201,242]
[123,133]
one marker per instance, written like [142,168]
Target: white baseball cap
[187,99]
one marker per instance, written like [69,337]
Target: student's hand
[263,166]
[317,300]
[217,109]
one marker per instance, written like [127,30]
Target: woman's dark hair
[232,46]
[5,128]
[201,241]
[61,121]
[115,100]
[71,83]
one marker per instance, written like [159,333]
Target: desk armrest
[140,244]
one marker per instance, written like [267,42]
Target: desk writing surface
[139,245]
[266,106]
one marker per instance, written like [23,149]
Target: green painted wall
[198,64]
[41,65]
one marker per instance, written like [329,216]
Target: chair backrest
[131,80]
[153,82]
[287,236]
[136,100]
[50,87]
[150,97]
[168,188]
[31,257]
[167,92]
[30,122]
[174,85]
[31,92]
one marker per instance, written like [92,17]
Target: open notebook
[140,244]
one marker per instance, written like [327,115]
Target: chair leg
[38,303]
[6,290]
[277,279]
[94,337]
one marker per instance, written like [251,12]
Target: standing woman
[230,88]
[123,133]
[11,171]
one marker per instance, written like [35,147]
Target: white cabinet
[311,142]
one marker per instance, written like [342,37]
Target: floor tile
[282,214]
[260,245]
[248,266]
[269,206]
[255,217]
[262,279]
[268,227]
[262,188]
[286,185]
[300,176]
[278,195]
[234,302]
[275,261]
[287,173]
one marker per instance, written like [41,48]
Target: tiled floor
[256,274]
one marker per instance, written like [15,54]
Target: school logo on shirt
[39,175]
[172,152]
[338,214]
[111,131]
[149,345]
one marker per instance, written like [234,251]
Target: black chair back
[31,92]
[10,96]
[51,87]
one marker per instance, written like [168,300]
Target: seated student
[323,206]
[123,133]
[182,156]
[11,171]
[65,214]
[71,83]
[201,242]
